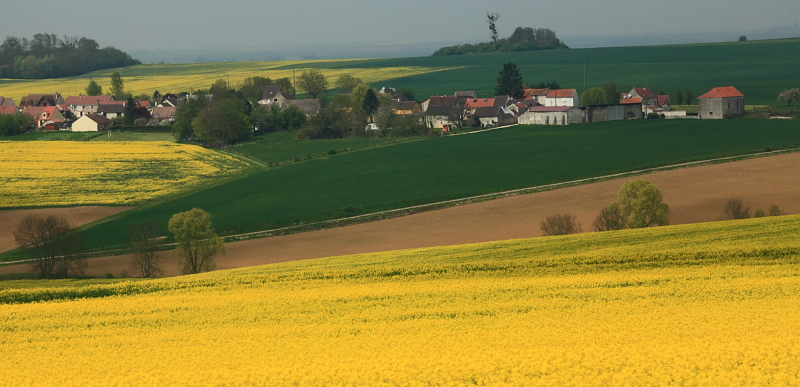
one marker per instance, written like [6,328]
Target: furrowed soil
[695,195]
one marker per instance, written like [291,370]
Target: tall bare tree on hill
[492,19]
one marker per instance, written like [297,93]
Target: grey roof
[270,92]
[466,94]
[110,108]
[501,100]
[308,106]
[98,118]
[393,94]
[439,110]
[487,111]
[6,102]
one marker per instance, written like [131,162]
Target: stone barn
[719,103]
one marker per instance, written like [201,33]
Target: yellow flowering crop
[51,173]
[695,305]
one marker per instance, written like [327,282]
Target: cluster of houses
[538,107]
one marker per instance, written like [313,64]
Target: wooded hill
[523,39]
[48,56]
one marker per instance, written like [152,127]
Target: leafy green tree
[292,117]
[346,83]
[679,97]
[743,38]
[510,82]
[198,244]
[688,97]
[642,204]
[144,239]
[370,103]
[735,209]
[118,87]
[253,87]
[94,88]
[56,247]
[611,218]
[313,82]
[408,93]
[595,96]
[13,124]
[223,123]
[612,93]
[185,114]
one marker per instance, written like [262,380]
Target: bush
[609,219]
[775,211]
[735,209]
[563,224]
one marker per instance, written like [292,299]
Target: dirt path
[78,216]
[694,194]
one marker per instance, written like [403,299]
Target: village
[538,106]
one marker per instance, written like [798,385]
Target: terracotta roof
[144,104]
[645,92]
[662,100]
[8,109]
[546,109]
[560,93]
[530,93]
[722,92]
[478,102]
[88,100]
[626,101]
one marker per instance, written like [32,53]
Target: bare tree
[144,240]
[458,112]
[611,218]
[735,209]
[775,211]
[492,19]
[563,224]
[56,247]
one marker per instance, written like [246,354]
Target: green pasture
[134,136]
[283,147]
[420,172]
[41,135]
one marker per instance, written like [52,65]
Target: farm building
[309,107]
[552,115]
[613,112]
[640,94]
[274,94]
[719,103]
[91,123]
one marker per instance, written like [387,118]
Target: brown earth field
[695,194]
[77,216]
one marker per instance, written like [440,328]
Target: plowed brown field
[694,194]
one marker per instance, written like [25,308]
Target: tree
[743,38]
[642,205]
[563,224]
[198,244]
[688,97]
[612,93]
[56,247]
[13,124]
[223,123]
[346,83]
[131,113]
[253,87]
[679,97]
[408,93]
[510,82]
[594,97]
[735,209]
[185,114]
[144,239]
[370,103]
[791,95]
[775,211]
[611,218]
[492,19]
[94,88]
[313,82]
[118,87]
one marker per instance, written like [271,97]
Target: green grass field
[437,169]
[759,69]
[41,135]
[132,136]
[283,147]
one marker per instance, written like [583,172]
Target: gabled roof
[487,111]
[393,94]
[439,110]
[442,100]
[6,101]
[561,93]
[628,101]
[466,94]
[645,92]
[164,112]
[722,92]
[40,99]
[530,93]
[663,100]
[110,108]
[88,100]
[270,92]
[308,106]
[405,105]
[98,118]
[550,109]
[8,109]
[144,104]
[473,103]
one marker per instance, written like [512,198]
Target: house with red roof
[87,104]
[44,114]
[562,97]
[8,109]
[719,103]
[538,95]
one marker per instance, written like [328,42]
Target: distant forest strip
[48,56]
[523,39]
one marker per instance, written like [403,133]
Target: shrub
[563,224]
[610,218]
[735,209]
[775,211]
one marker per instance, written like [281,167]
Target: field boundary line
[405,211]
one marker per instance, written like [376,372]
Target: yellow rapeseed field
[695,305]
[53,173]
[175,78]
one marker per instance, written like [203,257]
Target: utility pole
[584,71]
[294,82]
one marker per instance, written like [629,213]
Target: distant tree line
[523,39]
[50,56]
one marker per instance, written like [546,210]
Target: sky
[158,25]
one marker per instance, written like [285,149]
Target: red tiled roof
[8,109]
[479,102]
[88,100]
[645,92]
[561,93]
[662,100]
[443,100]
[545,109]
[530,93]
[722,92]
[626,101]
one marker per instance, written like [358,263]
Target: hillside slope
[697,304]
